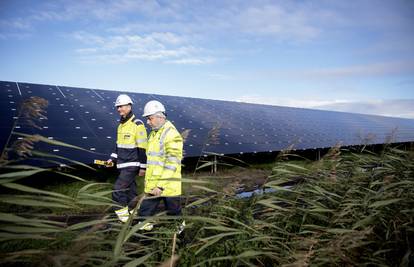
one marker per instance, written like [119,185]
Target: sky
[340,55]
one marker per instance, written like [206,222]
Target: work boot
[123,214]
[146,226]
[181,228]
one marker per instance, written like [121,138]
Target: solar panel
[87,118]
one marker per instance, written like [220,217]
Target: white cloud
[191,61]
[403,108]
[288,102]
[19,36]
[200,23]
[281,21]
[277,20]
[86,51]
[15,29]
[168,37]
[163,46]
[88,38]
[94,12]
[92,9]
[18,23]
[376,69]
[222,77]
[292,21]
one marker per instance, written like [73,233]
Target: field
[350,208]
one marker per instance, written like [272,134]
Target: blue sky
[339,55]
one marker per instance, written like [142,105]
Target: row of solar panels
[87,118]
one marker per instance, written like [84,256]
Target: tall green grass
[351,208]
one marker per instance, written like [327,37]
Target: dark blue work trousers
[126,187]
[149,206]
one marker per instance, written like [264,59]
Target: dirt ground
[235,179]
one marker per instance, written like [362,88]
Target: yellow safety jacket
[164,154]
[131,143]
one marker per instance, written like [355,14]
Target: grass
[351,208]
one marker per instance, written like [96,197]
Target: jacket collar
[162,126]
[127,117]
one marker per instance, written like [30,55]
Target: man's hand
[156,191]
[109,163]
[141,172]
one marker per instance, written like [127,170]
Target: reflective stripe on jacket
[164,155]
[131,144]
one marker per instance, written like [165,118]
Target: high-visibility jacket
[131,143]
[164,155]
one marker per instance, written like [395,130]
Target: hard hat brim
[118,105]
[147,114]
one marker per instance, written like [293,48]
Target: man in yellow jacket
[129,156]
[164,155]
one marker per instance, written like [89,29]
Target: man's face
[154,121]
[123,110]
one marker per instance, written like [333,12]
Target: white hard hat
[153,107]
[123,100]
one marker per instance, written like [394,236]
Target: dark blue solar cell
[87,118]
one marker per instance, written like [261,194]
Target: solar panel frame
[87,118]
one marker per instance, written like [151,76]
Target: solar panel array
[87,118]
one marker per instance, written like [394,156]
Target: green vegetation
[351,208]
